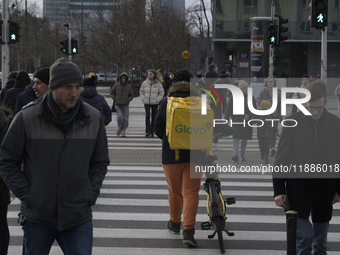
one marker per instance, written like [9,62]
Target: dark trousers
[149,128]
[4,232]
[264,144]
[218,115]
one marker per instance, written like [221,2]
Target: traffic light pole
[324,54]
[69,43]
[271,49]
[5,45]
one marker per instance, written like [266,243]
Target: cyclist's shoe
[174,228]
[188,237]
[235,159]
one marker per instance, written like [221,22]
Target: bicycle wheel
[217,222]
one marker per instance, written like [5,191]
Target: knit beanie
[43,74]
[89,82]
[265,104]
[64,72]
[243,84]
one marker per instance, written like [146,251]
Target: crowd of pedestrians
[58,116]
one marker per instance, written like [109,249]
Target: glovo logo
[209,93]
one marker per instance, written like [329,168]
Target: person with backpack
[182,188]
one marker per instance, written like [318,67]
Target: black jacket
[241,132]
[182,89]
[25,97]
[10,83]
[310,142]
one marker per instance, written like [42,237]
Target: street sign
[186,54]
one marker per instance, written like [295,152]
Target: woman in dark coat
[243,133]
[4,191]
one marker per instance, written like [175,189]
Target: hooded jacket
[21,81]
[179,89]
[62,172]
[121,92]
[25,97]
[10,83]
[91,96]
[151,93]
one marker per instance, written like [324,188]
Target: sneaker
[174,228]
[235,159]
[122,134]
[188,237]
[215,145]
[147,135]
[272,152]
[118,132]
[151,135]
[243,159]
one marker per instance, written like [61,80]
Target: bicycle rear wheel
[217,222]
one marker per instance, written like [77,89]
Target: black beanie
[89,82]
[182,75]
[43,74]
[64,72]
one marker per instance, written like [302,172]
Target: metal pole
[271,49]
[5,46]
[324,54]
[291,219]
[69,43]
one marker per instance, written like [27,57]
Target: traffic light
[273,35]
[74,46]
[318,14]
[13,32]
[281,29]
[64,49]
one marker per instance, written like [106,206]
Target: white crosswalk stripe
[130,214]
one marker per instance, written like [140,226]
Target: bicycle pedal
[230,200]
[205,225]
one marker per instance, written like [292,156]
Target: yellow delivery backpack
[186,127]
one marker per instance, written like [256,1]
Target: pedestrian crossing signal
[14,30]
[74,46]
[319,12]
[64,49]
[273,35]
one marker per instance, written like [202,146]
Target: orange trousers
[182,193]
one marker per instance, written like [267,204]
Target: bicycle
[216,206]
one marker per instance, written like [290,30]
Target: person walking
[41,80]
[21,81]
[4,190]
[122,93]
[182,188]
[9,84]
[90,95]
[314,141]
[54,158]
[25,97]
[151,93]
[267,94]
[243,132]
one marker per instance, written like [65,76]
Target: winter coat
[25,97]
[310,142]
[337,95]
[122,93]
[266,130]
[10,83]
[167,85]
[21,81]
[90,96]
[62,172]
[151,93]
[243,132]
[266,94]
[4,190]
[180,89]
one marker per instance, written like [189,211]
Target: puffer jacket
[62,172]
[151,93]
[91,96]
[122,93]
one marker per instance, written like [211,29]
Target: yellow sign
[186,54]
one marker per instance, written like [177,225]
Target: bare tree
[198,20]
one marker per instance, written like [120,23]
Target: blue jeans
[236,145]
[311,237]
[40,237]
[122,117]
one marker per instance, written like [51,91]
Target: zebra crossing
[132,209]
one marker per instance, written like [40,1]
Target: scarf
[59,117]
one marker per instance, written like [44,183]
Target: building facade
[300,54]
[178,5]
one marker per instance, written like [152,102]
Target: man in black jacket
[62,142]
[312,143]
